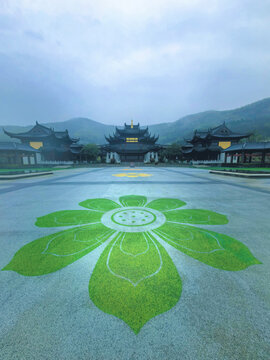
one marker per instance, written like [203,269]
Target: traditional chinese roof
[197,148]
[131,131]
[12,146]
[221,132]
[40,132]
[76,148]
[249,146]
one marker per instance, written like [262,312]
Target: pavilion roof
[131,131]
[218,132]
[249,146]
[7,145]
[40,131]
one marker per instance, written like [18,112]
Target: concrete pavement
[220,315]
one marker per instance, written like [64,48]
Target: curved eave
[75,151]
[231,136]
[214,148]
[187,151]
[75,140]
[186,147]
[259,146]
[14,135]
[12,146]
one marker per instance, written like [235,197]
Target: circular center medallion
[133,217]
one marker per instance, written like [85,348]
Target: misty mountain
[254,117]
[89,131]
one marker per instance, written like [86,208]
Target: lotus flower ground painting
[134,279]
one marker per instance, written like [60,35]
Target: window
[131,139]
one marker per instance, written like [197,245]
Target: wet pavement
[220,314]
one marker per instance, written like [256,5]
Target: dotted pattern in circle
[133,217]
[145,219]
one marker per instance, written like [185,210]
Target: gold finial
[131,124]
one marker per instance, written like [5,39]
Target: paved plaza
[127,263]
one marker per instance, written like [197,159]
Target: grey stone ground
[220,315]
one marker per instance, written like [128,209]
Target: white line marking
[174,209]
[141,203]
[126,253]
[163,235]
[100,239]
[125,278]
[185,239]
[206,222]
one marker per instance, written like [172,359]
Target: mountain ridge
[254,117]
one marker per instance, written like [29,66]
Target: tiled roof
[5,145]
[249,146]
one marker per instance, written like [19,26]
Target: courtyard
[135,263]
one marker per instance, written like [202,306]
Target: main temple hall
[131,143]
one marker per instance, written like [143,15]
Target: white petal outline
[177,208]
[129,254]
[58,221]
[99,240]
[125,278]
[103,211]
[142,203]
[166,237]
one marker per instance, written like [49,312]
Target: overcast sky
[116,60]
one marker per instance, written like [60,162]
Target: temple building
[12,153]
[131,144]
[52,145]
[257,153]
[208,145]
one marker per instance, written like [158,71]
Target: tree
[173,152]
[91,151]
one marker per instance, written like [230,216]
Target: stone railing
[56,162]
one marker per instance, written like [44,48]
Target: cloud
[132,10]
[34,35]
[153,59]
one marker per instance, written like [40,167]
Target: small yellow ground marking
[132,175]
[131,170]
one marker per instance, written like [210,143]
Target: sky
[112,61]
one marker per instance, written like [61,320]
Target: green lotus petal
[134,257]
[100,204]
[212,248]
[51,253]
[165,204]
[194,216]
[133,200]
[68,218]
[135,280]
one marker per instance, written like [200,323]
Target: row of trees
[91,153]
[173,152]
